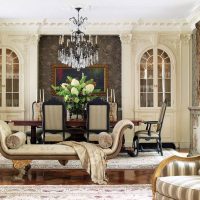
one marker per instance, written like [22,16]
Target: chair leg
[44,138]
[87,136]
[63,136]
[160,144]
[135,146]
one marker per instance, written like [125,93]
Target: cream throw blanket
[92,158]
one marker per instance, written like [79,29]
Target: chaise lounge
[24,154]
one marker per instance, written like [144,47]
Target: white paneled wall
[24,37]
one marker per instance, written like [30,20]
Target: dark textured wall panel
[109,53]
[196,65]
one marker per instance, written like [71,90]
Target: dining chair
[36,115]
[149,134]
[97,118]
[54,121]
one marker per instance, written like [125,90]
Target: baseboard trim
[154,145]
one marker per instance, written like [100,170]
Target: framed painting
[97,72]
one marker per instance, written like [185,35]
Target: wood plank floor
[74,177]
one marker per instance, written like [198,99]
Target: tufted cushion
[14,141]
[179,187]
[105,140]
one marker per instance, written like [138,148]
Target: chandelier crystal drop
[79,51]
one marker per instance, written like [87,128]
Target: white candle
[62,39]
[114,95]
[107,94]
[145,72]
[43,95]
[96,39]
[163,79]
[40,95]
[110,95]
[67,42]
[36,96]
[59,40]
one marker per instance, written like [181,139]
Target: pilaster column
[31,73]
[127,77]
[184,97]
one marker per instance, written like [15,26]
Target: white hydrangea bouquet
[76,93]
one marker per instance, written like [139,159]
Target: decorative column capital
[126,38]
[185,38]
[34,39]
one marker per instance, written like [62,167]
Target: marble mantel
[194,130]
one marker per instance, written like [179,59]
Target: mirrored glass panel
[164,77]
[12,79]
[146,79]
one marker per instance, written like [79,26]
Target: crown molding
[57,27]
[194,17]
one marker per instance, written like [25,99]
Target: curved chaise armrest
[158,171]
[120,127]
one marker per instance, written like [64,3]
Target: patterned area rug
[145,160]
[76,192]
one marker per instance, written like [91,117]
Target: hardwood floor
[74,177]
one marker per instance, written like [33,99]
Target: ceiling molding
[62,27]
[194,17]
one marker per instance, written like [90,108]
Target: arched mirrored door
[155,78]
[9,78]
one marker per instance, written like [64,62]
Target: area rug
[76,192]
[145,160]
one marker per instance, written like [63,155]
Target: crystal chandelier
[78,51]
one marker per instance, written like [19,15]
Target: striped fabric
[176,168]
[58,137]
[161,197]
[98,117]
[53,117]
[179,187]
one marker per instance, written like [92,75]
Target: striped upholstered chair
[54,121]
[97,118]
[177,178]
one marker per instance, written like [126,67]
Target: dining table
[73,123]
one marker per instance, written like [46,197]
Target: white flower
[74,91]
[64,85]
[74,82]
[84,91]
[89,88]
[66,97]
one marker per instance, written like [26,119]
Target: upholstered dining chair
[36,115]
[149,134]
[53,120]
[97,118]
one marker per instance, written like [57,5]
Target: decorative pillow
[14,141]
[105,140]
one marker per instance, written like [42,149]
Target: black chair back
[54,116]
[97,116]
